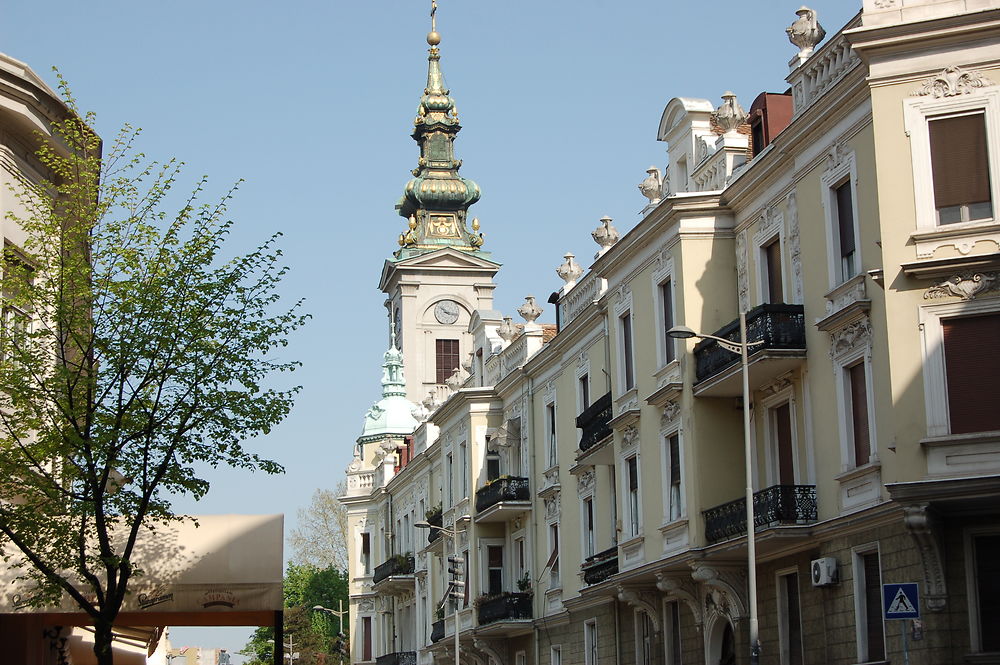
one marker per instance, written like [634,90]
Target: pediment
[445,260]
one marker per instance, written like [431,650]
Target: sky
[312,102]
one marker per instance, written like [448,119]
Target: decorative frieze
[671,411]
[952,82]
[850,337]
[742,280]
[965,286]
[552,506]
[794,246]
[585,482]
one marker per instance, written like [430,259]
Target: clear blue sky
[313,102]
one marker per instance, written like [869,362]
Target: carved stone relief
[779,384]
[794,246]
[366,605]
[924,529]
[552,506]
[743,284]
[585,481]
[724,592]
[630,436]
[965,286]
[671,411]
[850,337]
[952,82]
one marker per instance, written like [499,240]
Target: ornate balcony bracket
[923,527]
[683,589]
[725,590]
[638,600]
[488,647]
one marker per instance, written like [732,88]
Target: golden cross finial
[434,8]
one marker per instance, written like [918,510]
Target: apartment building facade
[591,476]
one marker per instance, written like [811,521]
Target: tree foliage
[133,354]
[320,539]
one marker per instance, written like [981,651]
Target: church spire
[436,201]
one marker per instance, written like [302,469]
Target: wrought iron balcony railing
[434,519]
[505,607]
[780,327]
[594,421]
[398,658]
[502,489]
[437,631]
[601,566]
[775,505]
[398,564]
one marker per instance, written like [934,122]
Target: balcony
[782,330]
[502,498]
[398,658]
[778,505]
[595,423]
[600,567]
[395,575]
[434,518]
[437,631]
[507,614]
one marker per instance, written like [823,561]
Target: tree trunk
[103,642]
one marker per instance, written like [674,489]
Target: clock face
[446,312]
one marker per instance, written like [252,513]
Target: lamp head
[422,525]
[681,332]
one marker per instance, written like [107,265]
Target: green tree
[138,357]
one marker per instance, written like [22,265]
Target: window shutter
[859,414]
[845,219]
[959,161]
[675,461]
[773,255]
[447,358]
[783,432]
[972,363]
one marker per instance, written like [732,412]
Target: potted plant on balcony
[524,583]
[433,513]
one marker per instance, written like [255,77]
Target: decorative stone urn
[652,186]
[529,310]
[506,330]
[730,115]
[605,235]
[805,32]
[569,271]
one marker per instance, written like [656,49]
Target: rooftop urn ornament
[652,186]
[530,309]
[730,115]
[506,330]
[469,359]
[569,271]
[454,382]
[805,32]
[604,235]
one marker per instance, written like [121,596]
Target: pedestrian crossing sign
[901,601]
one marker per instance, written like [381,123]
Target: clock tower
[439,275]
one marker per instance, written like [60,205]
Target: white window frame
[622,309]
[661,277]
[861,351]
[555,572]
[932,336]
[860,602]
[634,521]
[590,641]
[972,592]
[484,557]
[555,654]
[463,453]
[673,430]
[669,636]
[832,178]
[520,658]
[588,538]
[786,396]
[644,641]
[772,229]
[783,616]
[551,423]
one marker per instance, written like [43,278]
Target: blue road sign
[901,601]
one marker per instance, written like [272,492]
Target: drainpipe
[618,631]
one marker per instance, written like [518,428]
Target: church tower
[439,275]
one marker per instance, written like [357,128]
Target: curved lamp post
[741,348]
[453,534]
[339,613]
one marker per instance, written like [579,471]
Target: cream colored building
[595,474]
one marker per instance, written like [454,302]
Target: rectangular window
[972,361]
[446,354]
[550,434]
[366,553]
[463,452]
[465,567]
[987,583]
[555,656]
[772,258]
[590,642]
[492,465]
[632,471]
[790,615]
[522,559]
[672,638]
[588,527]
[667,303]
[584,391]
[520,658]
[553,562]
[847,244]
[960,168]
[616,524]
[628,368]
[450,478]
[366,638]
[674,492]
[868,599]
[494,569]
[782,441]
[858,387]
[644,639]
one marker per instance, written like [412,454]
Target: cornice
[935,33]
[458,400]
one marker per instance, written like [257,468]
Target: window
[588,527]
[985,582]
[673,446]
[366,638]
[366,553]
[628,368]
[15,322]
[553,562]
[584,382]
[520,658]
[446,354]
[643,639]
[494,569]
[616,524]
[632,475]
[772,264]
[492,465]
[672,636]
[846,242]
[590,642]
[465,567]
[857,387]
[555,655]
[960,168]
[463,452]
[450,477]
[522,559]
[782,442]
[868,607]
[972,360]
[790,619]
[550,433]
[667,305]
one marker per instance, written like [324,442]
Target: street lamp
[453,534]
[741,348]
[339,613]
[289,653]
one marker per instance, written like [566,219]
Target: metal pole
[751,536]
[454,541]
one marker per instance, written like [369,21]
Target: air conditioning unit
[825,571]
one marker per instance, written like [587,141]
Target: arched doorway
[720,642]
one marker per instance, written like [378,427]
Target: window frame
[590,641]
[860,602]
[633,502]
[644,637]
[665,345]
[972,592]
[784,641]
[668,504]
[438,355]
[838,174]
[626,351]
[551,435]
[859,352]
[672,635]
[771,450]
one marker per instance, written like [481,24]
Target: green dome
[393,414]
